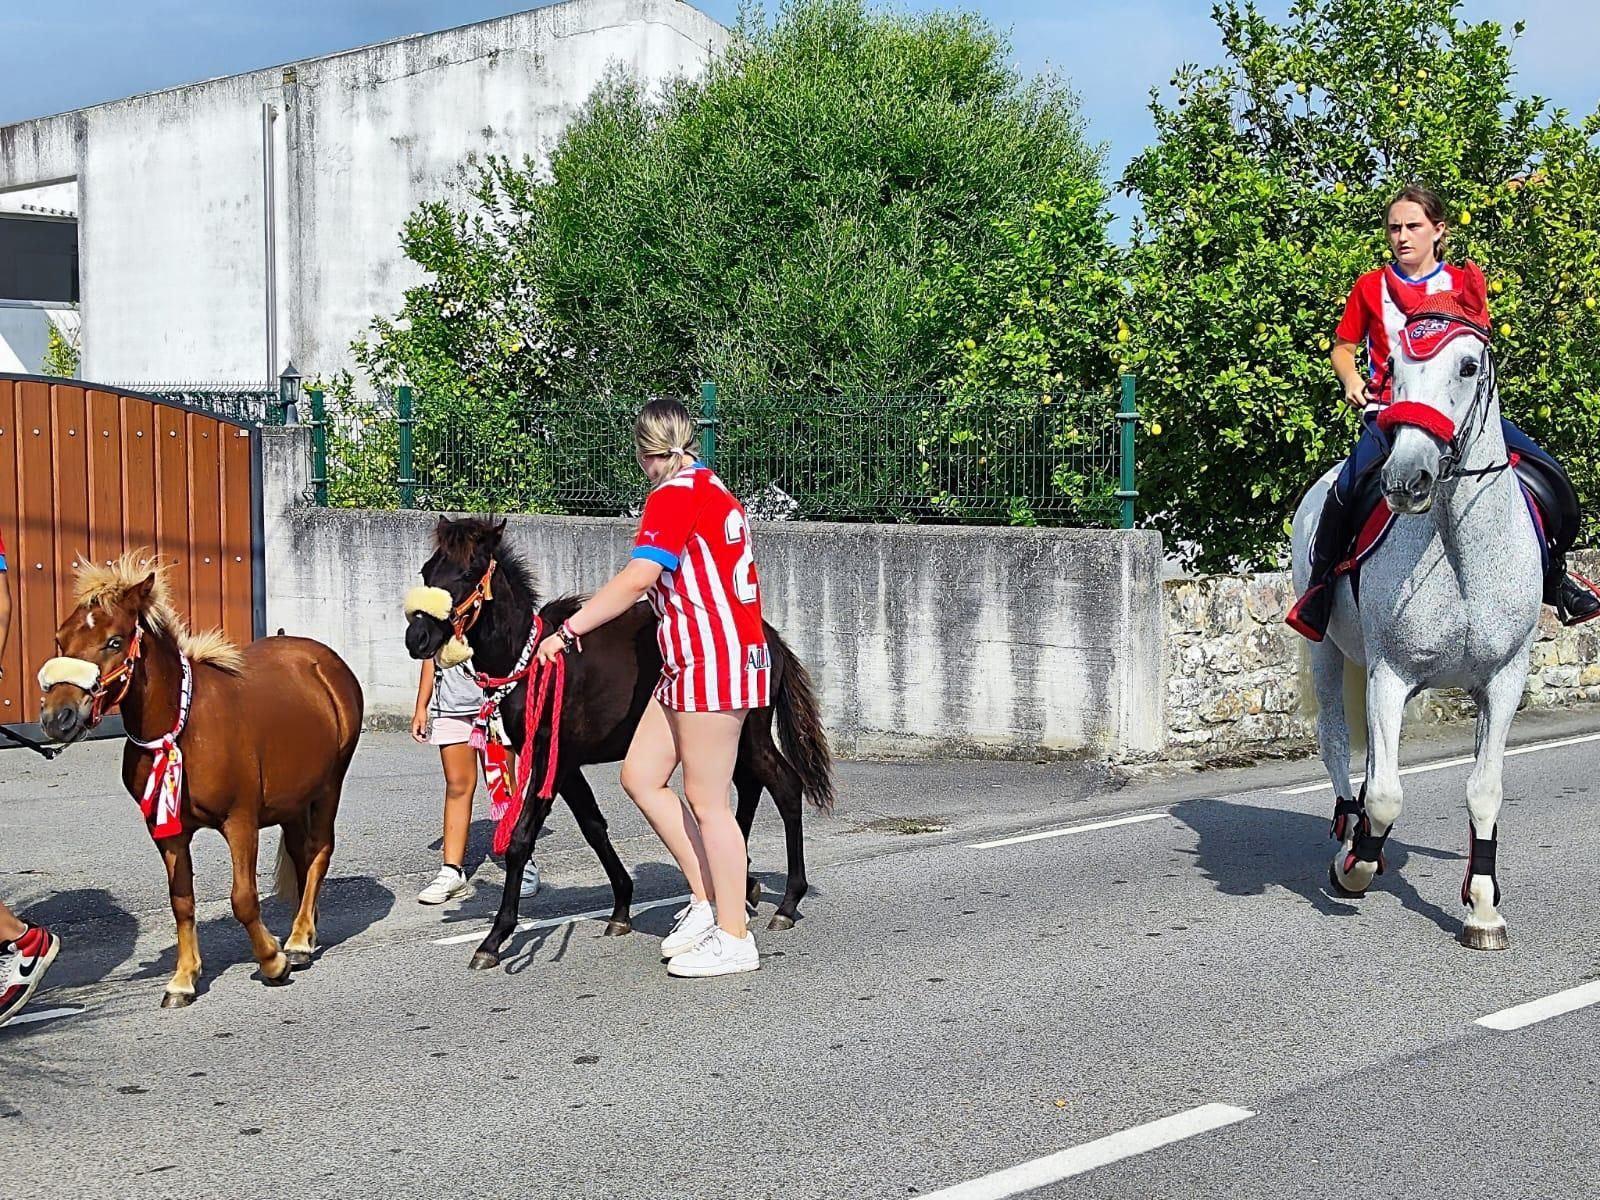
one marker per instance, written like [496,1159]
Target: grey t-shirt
[456,692]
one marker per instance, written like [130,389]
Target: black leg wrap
[1366,847]
[1343,810]
[1480,861]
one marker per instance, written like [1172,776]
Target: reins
[546,683]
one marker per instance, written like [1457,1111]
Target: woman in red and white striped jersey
[692,558]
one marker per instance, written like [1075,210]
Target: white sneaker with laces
[695,920]
[530,881]
[718,953]
[447,885]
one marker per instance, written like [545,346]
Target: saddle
[1552,503]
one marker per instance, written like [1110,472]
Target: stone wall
[1233,665]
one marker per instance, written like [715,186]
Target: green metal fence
[929,457]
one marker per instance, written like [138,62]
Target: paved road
[943,1013]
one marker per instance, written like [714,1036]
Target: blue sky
[69,53]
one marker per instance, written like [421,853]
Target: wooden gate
[86,470]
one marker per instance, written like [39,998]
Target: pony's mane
[458,539]
[105,586]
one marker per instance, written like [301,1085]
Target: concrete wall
[921,640]
[171,203]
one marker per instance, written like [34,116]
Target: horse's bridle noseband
[1477,411]
[121,673]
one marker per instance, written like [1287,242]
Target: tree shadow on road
[1244,850]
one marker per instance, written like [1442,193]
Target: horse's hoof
[1342,889]
[483,960]
[176,999]
[1479,937]
[299,960]
[282,977]
[752,895]
[779,921]
[618,928]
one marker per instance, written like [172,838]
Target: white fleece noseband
[434,602]
[80,673]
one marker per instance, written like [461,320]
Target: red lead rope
[547,678]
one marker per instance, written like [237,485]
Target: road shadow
[348,906]
[97,933]
[1244,850]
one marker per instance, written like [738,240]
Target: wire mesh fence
[249,403]
[1020,458]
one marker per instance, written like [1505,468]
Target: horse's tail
[800,725]
[285,883]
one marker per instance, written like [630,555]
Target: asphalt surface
[941,1013]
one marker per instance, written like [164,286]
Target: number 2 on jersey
[744,571]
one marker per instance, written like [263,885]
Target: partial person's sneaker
[530,881]
[695,920]
[718,953]
[447,885]
[22,966]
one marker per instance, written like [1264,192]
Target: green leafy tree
[1263,199]
[1029,431]
[61,356]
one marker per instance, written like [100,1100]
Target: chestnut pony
[218,738]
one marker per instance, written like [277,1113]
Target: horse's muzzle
[424,636]
[1414,496]
[64,714]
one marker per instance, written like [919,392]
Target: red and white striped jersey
[707,601]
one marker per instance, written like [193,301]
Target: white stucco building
[227,226]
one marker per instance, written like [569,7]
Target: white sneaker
[447,885]
[530,881]
[695,920]
[718,953]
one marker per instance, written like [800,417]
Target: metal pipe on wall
[269,206]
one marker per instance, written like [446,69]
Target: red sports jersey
[1375,314]
[713,644]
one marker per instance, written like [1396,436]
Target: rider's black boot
[1312,612]
[1572,596]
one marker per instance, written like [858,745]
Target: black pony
[607,688]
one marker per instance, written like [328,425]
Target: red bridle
[465,615]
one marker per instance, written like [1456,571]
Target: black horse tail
[800,725]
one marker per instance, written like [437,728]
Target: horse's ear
[496,532]
[137,598]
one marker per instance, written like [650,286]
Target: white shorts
[450,731]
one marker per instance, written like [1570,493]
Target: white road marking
[43,1014]
[1531,748]
[1055,833]
[552,922]
[1080,1159]
[1544,1008]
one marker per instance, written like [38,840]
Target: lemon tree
[1263,198]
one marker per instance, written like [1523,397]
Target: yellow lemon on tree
[1505,331]
[1402,102]
[1261,327]
[1497,287]
[1588,302]
[1122,334]
[1324,344]
[1544,412]
[1339,188]
[1466,217]
[1300,88]
[1394,89]
[1422,72]
[1155,428]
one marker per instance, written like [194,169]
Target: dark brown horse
[492,604]
[232,740]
